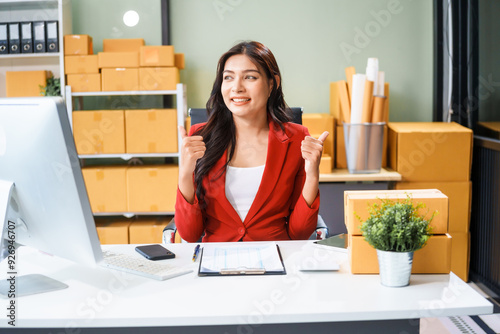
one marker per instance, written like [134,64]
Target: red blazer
[278,212]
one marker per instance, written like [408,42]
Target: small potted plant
[396,230]
[52,87]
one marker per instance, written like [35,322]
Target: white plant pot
[395,268]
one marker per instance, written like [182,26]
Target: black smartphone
[154,252]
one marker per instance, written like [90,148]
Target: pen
[196,250]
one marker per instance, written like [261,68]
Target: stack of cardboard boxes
[434,258]
[124,65]
[438,155]
[142,230]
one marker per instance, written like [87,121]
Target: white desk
[99,298]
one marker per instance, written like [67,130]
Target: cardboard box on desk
[84,82]
[120,79]
[106,188]
[148,230]
[157,55]
[460,254]
[459,200]
[118,59]
[81,64]
[99,131]
[152,188]
[151,131]
[158,78]
[357,203]
[434,258]
[430,151]
[78,45]
[122,44]
[112,230]
[25,83]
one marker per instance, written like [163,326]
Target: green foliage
[396,226]
[53,87]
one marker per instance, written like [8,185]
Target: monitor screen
[48,202]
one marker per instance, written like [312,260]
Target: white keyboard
[142,267]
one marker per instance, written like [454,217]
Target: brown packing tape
[345,106]
[152,115]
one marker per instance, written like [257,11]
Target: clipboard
[273,267]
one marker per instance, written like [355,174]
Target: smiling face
[245,87]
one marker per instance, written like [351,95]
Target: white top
[241,187]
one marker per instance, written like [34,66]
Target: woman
[248,174]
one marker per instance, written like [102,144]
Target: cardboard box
[25,83]
[122,44]
[118,59]
[78,45]
[106,188]
[84,82]
[488,129]
[434,258]
[326,164]
[81,64]
[180,61]
[112,230]
[99,131]
[357,203]
[152,188]
[120,79]
[459,198]
[158,78]
[319,123]
[157,55]
[430,151]
[460,254]
[148,230]
[151,131]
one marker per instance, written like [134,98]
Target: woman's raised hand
[312,150]
[192,149]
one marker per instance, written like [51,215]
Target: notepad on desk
[241,259]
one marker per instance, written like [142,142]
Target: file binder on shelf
[39,36]
[52,37]
[4,42]
[14,41]
[27,37]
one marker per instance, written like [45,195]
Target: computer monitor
[43,199]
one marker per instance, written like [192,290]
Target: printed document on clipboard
[241,258]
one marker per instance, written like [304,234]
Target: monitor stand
[16,286]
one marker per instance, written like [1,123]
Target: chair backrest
[199,115]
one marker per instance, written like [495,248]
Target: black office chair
[199,115]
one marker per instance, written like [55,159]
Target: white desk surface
[99,297]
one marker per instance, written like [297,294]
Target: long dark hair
[219,134]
